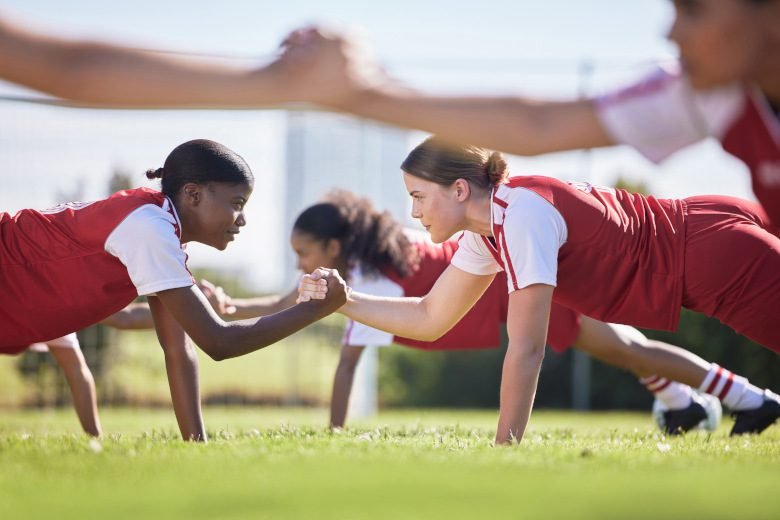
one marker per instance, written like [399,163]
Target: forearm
[242,337]
[260,306]
[107,75]
[511,124]
[182,368]
[135,316]
[82,388]
[342,388]
[407,317]
[518,388]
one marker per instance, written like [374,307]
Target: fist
[325,285]
[330,66]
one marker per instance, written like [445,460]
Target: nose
[241,220]
[416,213]
[675,29]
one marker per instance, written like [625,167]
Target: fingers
[312,286]
[207,287]
[217,297]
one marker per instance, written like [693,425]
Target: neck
[769,80]
[478,214]
[341,266]
[771,90]
[183,217]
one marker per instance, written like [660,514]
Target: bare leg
[627,348]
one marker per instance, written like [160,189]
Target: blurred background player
[102,74]
[726,85]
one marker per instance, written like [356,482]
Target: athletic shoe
[677,422]
[757,419]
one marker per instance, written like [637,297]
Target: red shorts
[563,329]
[732,266]
[12,351]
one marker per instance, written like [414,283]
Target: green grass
[281,463]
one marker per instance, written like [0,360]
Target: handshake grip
[323,287]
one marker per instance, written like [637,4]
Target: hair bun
[496,168]
[155,174]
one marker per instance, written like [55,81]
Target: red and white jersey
[479,328]
[612,255]
[662,114]
[71,266]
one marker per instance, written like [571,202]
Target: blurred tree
[121,179]
[622,183]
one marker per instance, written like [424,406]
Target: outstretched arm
[133,317]
[181,364]
[82,387]
[426,318]
[222,340]
[243,308]
[527,318]
[103,74]
[342,74]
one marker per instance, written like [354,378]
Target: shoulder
[146,209]
[527,195]
[663,81]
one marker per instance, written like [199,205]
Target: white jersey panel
[529,232]
[358,334]
[146,243]
[533,232]
[662,113]
[473,255]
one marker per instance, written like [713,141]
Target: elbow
[214,349]
[531,352]
[431,337]
[216,356]
[429,334]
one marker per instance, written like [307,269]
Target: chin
[436,239]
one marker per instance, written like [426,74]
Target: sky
[519,46]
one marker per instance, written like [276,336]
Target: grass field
[281,463]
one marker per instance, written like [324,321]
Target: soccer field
[277,463]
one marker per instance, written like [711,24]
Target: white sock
[674,395]
[735,391]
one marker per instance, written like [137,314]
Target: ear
[192,193]
[462,189]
